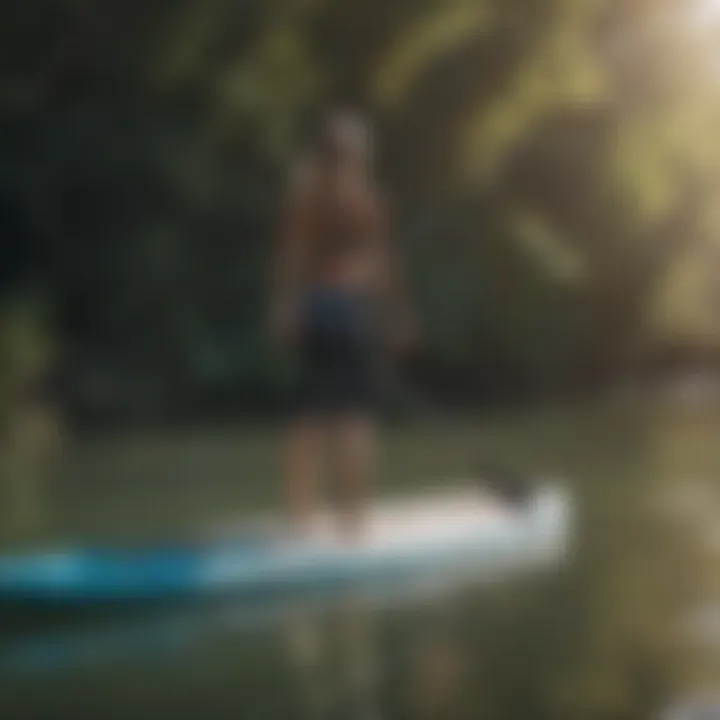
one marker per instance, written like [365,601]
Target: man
[335,272]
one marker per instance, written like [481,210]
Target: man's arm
[395,278]
[289,268]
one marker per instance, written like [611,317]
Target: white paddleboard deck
[402,538]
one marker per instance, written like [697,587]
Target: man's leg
[303,473]
[355,464]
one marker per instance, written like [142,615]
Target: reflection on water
[336,662]
[437,682]
[343,670]
[614,635]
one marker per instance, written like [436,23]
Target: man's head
[346,139]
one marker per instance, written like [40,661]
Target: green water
[598,639]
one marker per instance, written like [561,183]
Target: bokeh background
[554,171]
[552,164]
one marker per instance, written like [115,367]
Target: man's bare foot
[352,528]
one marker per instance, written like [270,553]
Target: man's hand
[406,337]
[285,326]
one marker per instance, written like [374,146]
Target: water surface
[599,639]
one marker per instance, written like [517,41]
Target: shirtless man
[335,275]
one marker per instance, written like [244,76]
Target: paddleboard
[465,529]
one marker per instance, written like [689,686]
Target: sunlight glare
[705,12]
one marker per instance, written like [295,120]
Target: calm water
[602,638]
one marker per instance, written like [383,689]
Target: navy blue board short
[337,355]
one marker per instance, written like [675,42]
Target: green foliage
[543,155]
[26,349]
